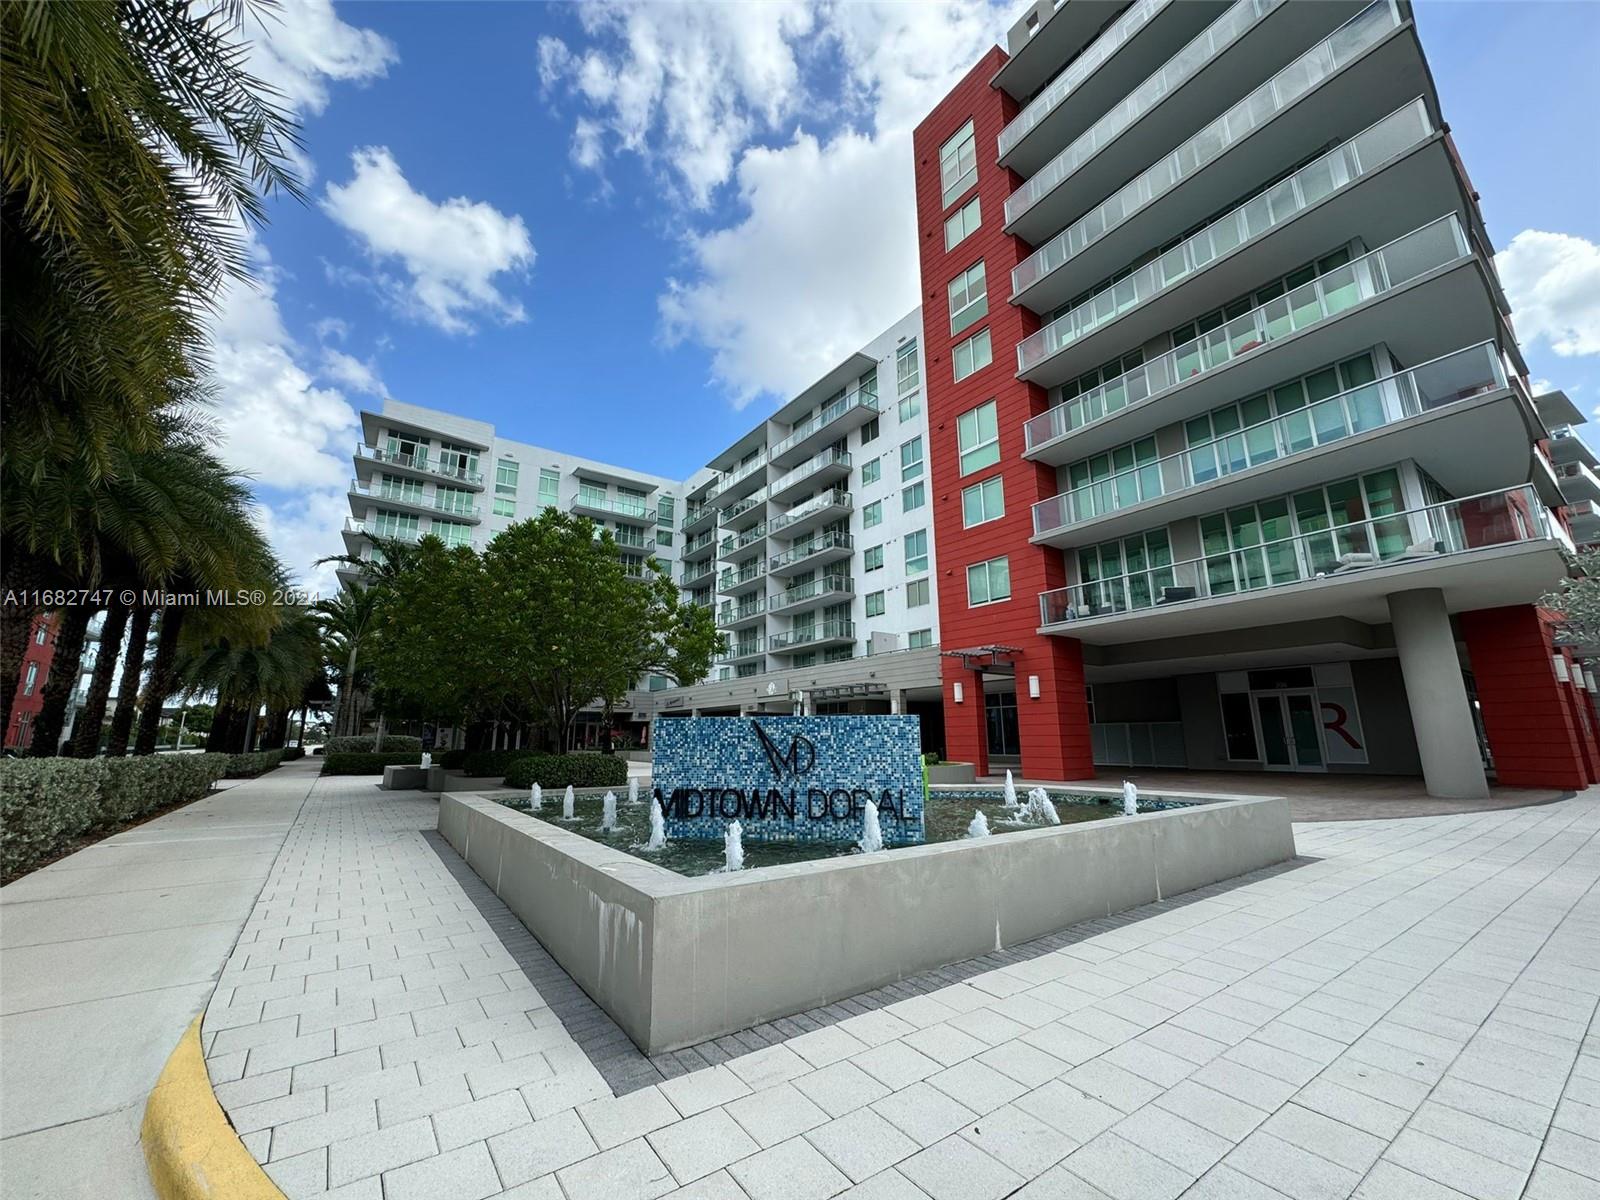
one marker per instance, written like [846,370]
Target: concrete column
[1440,716]
[897,701]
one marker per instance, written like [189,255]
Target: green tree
[1576,601]
[425,652]
[248,672]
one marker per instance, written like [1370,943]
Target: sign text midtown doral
[790,777]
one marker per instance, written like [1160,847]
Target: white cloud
[300,46]
[304,529]
[354,373]
[331,329]
[822,253]
[1553,283]
[453,254]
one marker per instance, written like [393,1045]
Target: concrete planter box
[676,960]
[952,773]
[404,778]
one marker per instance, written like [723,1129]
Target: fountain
[658,829]
[608,813]
[1130,798]
[980,825]
[633,790]
[871,833]
[733,848]
[1040,809]
[566,804]
[1011,790]
[536,797]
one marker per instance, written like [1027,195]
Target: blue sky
[625,230]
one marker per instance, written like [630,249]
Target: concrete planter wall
[676,960]
[952,773]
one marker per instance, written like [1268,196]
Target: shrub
[452,760]
[46,803]
[558,770]
[368,764]
[490,762]
[248,766]
[292,753]
[366,743]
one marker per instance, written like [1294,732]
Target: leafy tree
[425,651]
[1576,602]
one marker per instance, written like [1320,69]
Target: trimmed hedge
[369,764]
[292,753]
[47,803]
[487,762]
[248,766]
[452,760]
[558,770]
[366,743]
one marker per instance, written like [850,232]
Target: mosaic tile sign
[805,779]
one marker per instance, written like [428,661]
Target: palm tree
[128,689]
[247,672]
[347,623]
[86,733]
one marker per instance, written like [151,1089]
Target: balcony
[357,531]
[832,422]
[806,555]
[737,583]
[419,465]
[1577,482]
[1566,447]
[700,547]
[830,589]
[1483,551]
[697,576]
[1206,77]
[740,652]
[825,468]
[1456,416]
[747,512]
[696,520]
[809,637]
[1064,30]
[739,482]
[733,616]
[1583,519]
[617,508]
[1146,34]
[735,544]
[819,510]
[363,495]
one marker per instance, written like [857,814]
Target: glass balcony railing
[1458,376]
[828,458]
[740,652]
[1251,113]
[753,500]
[692,578]
[1112,39]
[1408,256]
[1176,71]
[695,545]
[621,506]
[836,498]
[805,550]
[377,529]
[730,613]
[734,543]
[737,476]
[1425,534]
[859,399]
[825,631]
[731,579]
[418,462]
[817,589]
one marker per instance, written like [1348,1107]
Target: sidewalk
[108,955]
[1408,1013]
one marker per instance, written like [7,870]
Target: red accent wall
[1528,714]
[1054,728]
[25,709]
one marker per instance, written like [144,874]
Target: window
[549,487]
[913,497]
[1121,476]
[33,676]
[971,355]
[872,515]
[1132,572]
[969,302]
[505,477]
[910,406]
[665,507]
[452,533]
[917,593]
[907,377]
[911,458]
[917,552]
[982,502]
[988,581]
[920,639]
[875,604]
[455,500]
[1238,730]
[504,507]
[458,460]
[869,431]
[663,537]
[396,525]
[872,471]
[958,163]
[962,224]
[872,558]
[978,435]
[395,488]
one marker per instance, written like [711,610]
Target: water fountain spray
[871,832]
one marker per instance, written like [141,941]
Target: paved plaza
[1407,1011]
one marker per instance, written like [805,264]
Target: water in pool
[946,818]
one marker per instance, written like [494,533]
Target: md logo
[800,758]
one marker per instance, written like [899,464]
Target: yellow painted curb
[192,1150]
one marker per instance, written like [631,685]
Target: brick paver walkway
[1410,1014]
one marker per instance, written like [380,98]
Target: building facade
[810,537]
[1235,460]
